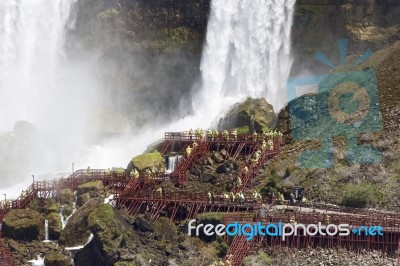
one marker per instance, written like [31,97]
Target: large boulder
[23,225]
[147,160]
[66,196]
[82,199]
[226,168]
[93,186]
[143,224]
[55,225]
[257,114]
[57,259]
[76,232]
[112,241]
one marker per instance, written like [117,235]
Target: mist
[64,102]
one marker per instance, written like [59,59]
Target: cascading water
[247,52]
[39,84]
[172,162]
[46,231]
[31,34]
[65,221]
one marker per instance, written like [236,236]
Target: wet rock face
[57,259]
[226,168]
[112,239]
[147,160]
[55,225]
[257,114]
[90,187]
[23,225]
[66,196]
[77,231]
[318,24]
[143,224]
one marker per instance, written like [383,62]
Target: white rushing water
[39,261]
[31,46]
[90,238]
[46,231]
[61,213]
[39,84]
[172,162]
[247,52]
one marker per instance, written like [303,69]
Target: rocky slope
[371,184]
[318,25]
[147,52]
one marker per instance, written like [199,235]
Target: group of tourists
[231,197]
[201,134]
[292,199]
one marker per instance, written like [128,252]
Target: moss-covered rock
[93,186]
[82,199]
[257,114]
[77,231]
[23,225]
[52,206]
[55,225]
[111,242]
[66,196]
[147,160]
[57,259]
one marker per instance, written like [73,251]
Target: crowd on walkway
[232,135]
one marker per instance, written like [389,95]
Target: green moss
[93,186]
[362,195]
[55,225]
[103,223]
[219,216]
[243,130]
[147,160]
[89,184]
[125,263]
[57,259]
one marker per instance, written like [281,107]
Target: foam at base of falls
[37,262]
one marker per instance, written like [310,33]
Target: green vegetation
[147,160]
[55,225]
[243,130]
[104,225]
[125,263]
[362,195]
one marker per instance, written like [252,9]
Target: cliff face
[149,52]
[151,49]
[318,24]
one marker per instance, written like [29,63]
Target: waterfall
[172,162]
[64,221]
[247,52]
[31,34]
[46,231]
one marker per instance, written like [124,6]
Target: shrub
[362,195]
